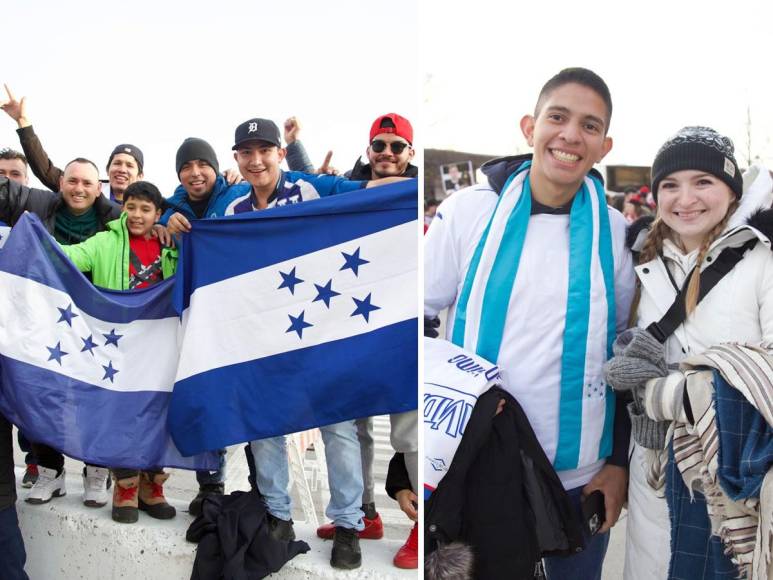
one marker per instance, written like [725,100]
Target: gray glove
[638,358]
[646,432]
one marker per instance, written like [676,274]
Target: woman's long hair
[653,247]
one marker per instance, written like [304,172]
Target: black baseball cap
[257,130]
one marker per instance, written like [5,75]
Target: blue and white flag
[86,371]
[296,317]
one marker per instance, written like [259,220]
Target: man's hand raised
[292,129]
[15,109]
[326,168]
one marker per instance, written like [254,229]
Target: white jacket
[738,309]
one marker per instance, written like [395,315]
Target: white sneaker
[47,486]
[95,486]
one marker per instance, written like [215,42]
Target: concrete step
[66,540]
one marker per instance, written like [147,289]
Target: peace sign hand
[15,109]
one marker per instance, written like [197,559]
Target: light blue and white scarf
[484,302]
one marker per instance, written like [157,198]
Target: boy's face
[259,163]
[568,135]
[140,216]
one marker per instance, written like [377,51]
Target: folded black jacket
[502,496]
[234,541]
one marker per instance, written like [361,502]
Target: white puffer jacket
[738,309]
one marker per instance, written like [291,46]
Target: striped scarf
[484,301]
[745,525]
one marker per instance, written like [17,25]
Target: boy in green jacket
[128,257]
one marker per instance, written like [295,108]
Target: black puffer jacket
[15,199]
[502,496]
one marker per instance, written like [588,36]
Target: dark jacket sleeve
[298,159]
[38,160]
[13,200]
[397,476]
[621,433]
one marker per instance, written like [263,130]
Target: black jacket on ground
[361,171]
[15,199]
[502,496]
[234,542]
[397,477]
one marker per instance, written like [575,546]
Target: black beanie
[194,148]
[700,149]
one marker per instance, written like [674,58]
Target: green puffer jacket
[106,256]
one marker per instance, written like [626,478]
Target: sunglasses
[397,147]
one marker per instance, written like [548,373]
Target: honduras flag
[86,371]
[297,317]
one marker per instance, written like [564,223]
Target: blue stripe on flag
[263,237]
[576,332]
[86,422]
[30,252]
[360,376]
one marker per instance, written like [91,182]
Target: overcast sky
[152,73]
[667,63]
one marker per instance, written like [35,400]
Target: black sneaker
[346,549]
[281,530]
[194,508]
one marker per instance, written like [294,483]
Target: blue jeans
[344,474]
[585,565]
[213,477]
[12,554]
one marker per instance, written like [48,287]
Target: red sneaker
[373,530]
[407,556]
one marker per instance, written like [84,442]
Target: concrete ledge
[66,540]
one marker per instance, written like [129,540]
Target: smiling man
[390,150]
[259,154]
[72,216]
[533,267]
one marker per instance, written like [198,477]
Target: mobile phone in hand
[593,512]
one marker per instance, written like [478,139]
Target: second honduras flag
[296,323]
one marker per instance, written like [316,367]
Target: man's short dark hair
[11,154]
[82,160]
[145,191]
[581,76]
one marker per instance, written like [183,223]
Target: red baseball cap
[392,123]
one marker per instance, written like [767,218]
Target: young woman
[698,188]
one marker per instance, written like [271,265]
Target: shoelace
[126,493]
[157,490]
[95,482]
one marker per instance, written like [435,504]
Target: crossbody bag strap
[677,313]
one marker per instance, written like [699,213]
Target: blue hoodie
[218,200]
